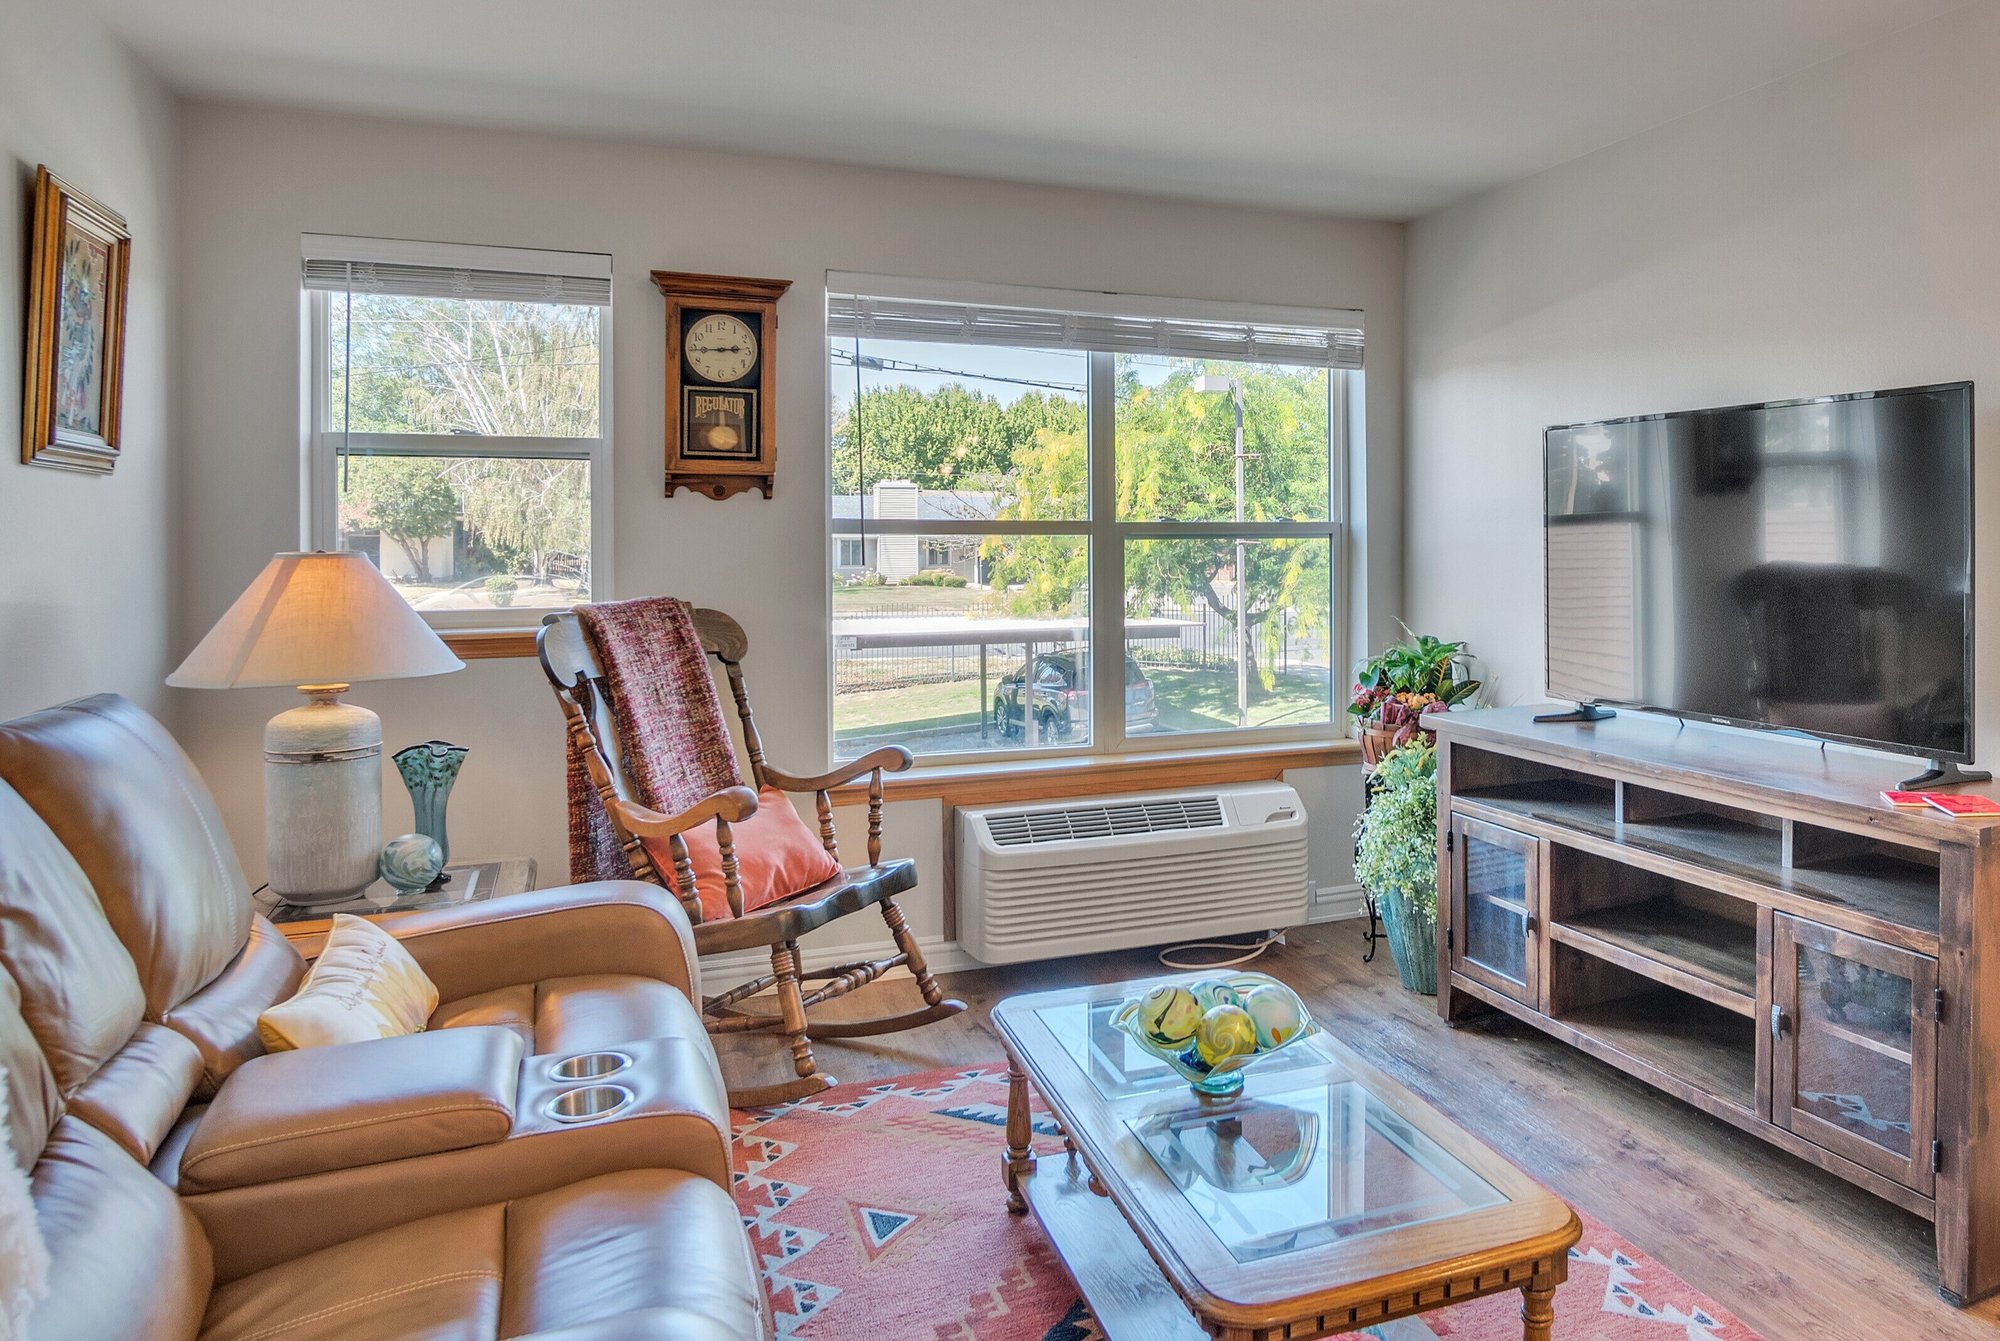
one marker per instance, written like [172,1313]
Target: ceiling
[1385,108]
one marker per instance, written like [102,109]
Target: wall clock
[720,381]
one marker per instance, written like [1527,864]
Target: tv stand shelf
[1739,920]
[1666,940]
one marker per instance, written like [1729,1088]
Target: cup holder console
[590,1066]
[592,1103]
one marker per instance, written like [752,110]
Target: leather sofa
[189,1186]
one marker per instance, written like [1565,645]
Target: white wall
[255,180]
[1832,232]
[86,590]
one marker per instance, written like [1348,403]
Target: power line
[875,363]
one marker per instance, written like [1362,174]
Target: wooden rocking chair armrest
[890,759]
[731,803]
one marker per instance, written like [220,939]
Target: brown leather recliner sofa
[189,1186]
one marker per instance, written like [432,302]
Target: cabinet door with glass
[1854,1048]
[1496,908]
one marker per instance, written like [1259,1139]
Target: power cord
[1246,952]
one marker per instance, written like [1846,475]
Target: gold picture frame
[79,267]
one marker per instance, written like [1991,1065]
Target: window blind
[437,270]
[1040,319]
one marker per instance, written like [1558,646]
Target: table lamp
[319,621]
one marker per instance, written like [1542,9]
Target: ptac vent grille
[1019,828]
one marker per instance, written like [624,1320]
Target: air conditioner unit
[1106,873]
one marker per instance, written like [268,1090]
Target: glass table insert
[1328,1161]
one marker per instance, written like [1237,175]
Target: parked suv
[1062,697]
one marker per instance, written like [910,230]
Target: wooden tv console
[1741,921]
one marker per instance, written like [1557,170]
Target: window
[1046,481]
[459,407]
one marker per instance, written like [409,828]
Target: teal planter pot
[1412,943]
[429,770]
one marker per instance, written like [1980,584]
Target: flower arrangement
[1394,689]
[1395,858]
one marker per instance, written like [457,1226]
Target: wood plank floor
[1795,1252]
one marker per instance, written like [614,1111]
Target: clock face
[721,348]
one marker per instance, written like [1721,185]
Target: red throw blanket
[671,731]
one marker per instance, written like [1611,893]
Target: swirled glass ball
[1276,1013]
[1225,1031]
[411,862]
[1169,1014]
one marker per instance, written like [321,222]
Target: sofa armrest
[292,1114]
[611,926]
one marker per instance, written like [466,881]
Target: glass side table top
[1304,1167]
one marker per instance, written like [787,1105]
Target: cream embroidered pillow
[363,986]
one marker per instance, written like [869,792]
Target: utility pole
[1242,598]
[1208,384]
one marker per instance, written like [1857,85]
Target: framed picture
[78,266]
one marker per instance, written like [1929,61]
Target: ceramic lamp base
[322,798]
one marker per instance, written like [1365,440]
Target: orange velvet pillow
[776,856]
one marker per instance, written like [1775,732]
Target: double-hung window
[1084,521]
[459,403]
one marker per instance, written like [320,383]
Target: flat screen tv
[1800,565]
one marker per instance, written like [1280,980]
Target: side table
[306,926]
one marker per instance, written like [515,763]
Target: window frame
[1105,537]
[319,526]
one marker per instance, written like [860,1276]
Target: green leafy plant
[935,577]
[1397,852]
[1416,675]
[500,589]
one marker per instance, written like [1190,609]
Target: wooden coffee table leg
[1020,1156]
[1538,1309]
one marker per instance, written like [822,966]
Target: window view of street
[951,636]
[466,476]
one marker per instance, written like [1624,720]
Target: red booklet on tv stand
[1963,807]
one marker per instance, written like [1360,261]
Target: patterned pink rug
[879,1216]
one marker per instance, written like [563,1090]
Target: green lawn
[1188,700]
[1202,700]
[914,600]
[914,706]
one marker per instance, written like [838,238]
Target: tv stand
[1740,921]
[1582,712]
[1944,773]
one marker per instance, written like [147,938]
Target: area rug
[878,1215]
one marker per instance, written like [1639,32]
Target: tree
[406,498]
[1175,461]
[539,509]
[443,366]
[446,365]
[953,438]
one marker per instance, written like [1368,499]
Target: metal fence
[1207,643]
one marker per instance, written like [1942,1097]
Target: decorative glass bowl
[1213,1029]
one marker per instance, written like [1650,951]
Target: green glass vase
[429,770]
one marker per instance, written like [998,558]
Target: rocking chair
[572,666]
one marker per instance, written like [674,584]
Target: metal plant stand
[1372,936]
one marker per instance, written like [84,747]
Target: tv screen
[1803,565]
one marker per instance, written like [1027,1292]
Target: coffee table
[1323,1198]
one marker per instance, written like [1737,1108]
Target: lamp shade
[320,618]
